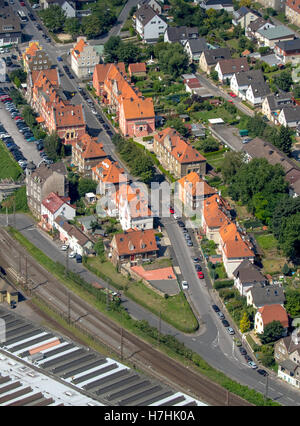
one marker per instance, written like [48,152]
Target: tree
[128,53]
[209,145]
[272,332]
[52,146]
[231,165]
[111,48]
[292,303]
[296,92]
[245,323]
[91,26]
[286,270]
[86,185]
[214,75]
[72,26]
[284,142]
[283,81]
[54,18]
[28,115]
[172,59]
[99,249]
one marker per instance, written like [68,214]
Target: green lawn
[219,112]
[174,309]
[9,168]
[273,261]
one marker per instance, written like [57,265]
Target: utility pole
[14,215]
[6,216]
[67,260]
[121,344]
[159,329]
[267,386]
[69,307]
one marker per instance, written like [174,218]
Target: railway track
[100,327]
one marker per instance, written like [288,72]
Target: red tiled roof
[182,150]
[271,313]
[134,242]
[232,242]
[193,182]
[139,67]
[53,202]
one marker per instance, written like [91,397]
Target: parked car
[220,314]
[252,365]
[198,267]
[72,254]
[189,243]
[230,330]
[262,372]
[200,275]
[64,247]
[78,258]
[242,350]
[225,323]
[184,285]
[215,308]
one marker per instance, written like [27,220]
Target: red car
[22,3]
[200,275]
[172,211]
[233,95]
[6,100]
[18,118]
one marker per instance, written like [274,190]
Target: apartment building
[84,58]
[35,58]
[177,155]
[86,154]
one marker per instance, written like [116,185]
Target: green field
[9,168]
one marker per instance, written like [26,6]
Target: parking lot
[28,149]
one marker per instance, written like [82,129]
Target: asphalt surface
[212,341]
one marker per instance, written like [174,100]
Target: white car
[94,111]
[72,254]
[176,216]
[252,365]
[35,6]
[230,330]
[184,285]
[64,247]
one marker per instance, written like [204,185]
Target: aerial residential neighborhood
[150,204]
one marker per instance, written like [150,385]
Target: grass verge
[167,344]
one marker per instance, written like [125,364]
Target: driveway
[228,135]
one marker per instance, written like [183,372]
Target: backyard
[272,260]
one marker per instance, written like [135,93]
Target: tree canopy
[272,332]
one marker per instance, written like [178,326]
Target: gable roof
[213,56]
[291,113]
[279,100]
[53,202]
[44,171]
[193,183]
[257,24]
[135,242]
[109,171]
[259,89]
[231,66]
[197,45]
[274,312]
[244,78]
[269,295]
[249,273]
[138,108]
[234,245]
[90,148]
[258,148]
[138,67]
[145,13]
[215,211]
[180,149]
[177,34]
[289,45]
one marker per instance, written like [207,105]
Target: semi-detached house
[52,207]
[226,68]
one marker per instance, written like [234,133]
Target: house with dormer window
[133,247]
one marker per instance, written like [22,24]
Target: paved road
[217,91]
[212,342]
